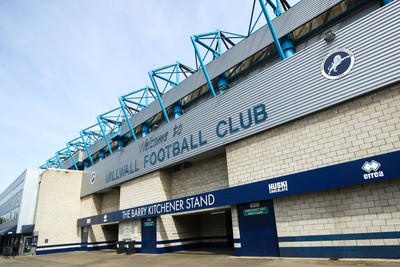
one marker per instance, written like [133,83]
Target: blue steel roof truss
[135,101]
[73,147]
[90,136]
[163,79]
[110,124]
[218,42]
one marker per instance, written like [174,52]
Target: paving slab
[184,258]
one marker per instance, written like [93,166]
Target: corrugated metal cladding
[284,24]
[287,22]
[371,7]
[289,90]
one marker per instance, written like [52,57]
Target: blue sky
[64,62]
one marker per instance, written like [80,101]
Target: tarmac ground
[194,258]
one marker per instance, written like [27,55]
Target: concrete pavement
[184,258]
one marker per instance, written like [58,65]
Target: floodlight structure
[90,136]
[73,147]
[165,78]
[215,44]
[135,101]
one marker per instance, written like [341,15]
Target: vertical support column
[58,160]
[287,46]
[153,82]
[86,148]
[86,164]
[120,99]
[145,129]
[102,154]
[72,156]
[121,143]
[272,29]
[203,67]
[223,84]
[103,132]
[178,109]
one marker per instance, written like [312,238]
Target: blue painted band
[51,251]
[330,177]
[77,244]
[60,250]
[359,236]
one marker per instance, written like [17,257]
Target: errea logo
[372,170]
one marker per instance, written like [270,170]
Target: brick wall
[203,176]
[363,127]
[58,207]
[110,201]
[370,208]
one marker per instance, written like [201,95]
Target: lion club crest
[337,64]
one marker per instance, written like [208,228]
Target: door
[84,237]
[27,245]
[149,235]
[257,226]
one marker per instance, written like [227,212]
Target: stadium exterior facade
[298,158]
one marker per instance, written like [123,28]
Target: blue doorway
[257,225]
[149,235]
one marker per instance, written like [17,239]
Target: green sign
[151,223]
[255,211]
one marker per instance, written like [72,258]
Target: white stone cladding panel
[204,176]
[147,189]
[58,207]
[366,208]
[90,205]
[366,126]
[110,201]
[166,229]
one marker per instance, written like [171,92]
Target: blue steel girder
[135,101]
[52,163]
[90,136]
[62,155]
[278,8]
[110,124]
[167,77]
[215,43]
[272,28]
[73,147]
[43,167]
